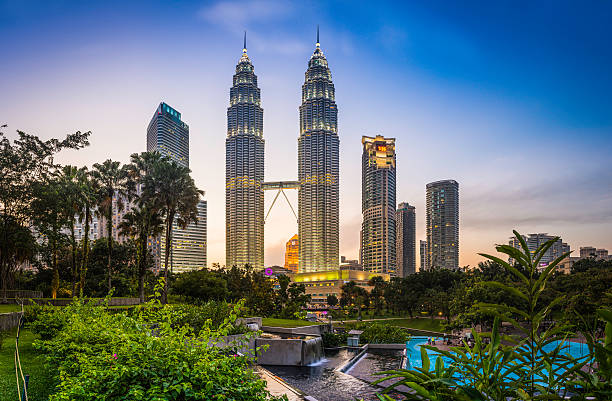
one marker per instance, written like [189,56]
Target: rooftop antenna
[318,44]
[244,48]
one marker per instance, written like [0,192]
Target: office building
[244,170]
[405,223]
[423,255]
[533,243]
[318,169]
[292,254]
[169,135]
[378,236]
[442,224]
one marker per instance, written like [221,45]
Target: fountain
[291,351]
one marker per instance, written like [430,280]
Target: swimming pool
[413,351]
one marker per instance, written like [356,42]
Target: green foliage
[201,286]
[380,333]
[524,367]
[44,320]
[210,315]
[333,340]
[146,355]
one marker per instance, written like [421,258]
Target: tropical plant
[25,161]
[87,189]
[112,186]
[172,191]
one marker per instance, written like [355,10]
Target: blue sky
[511,99]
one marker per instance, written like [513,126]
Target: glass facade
[318,170]
[442,224]
[244,170]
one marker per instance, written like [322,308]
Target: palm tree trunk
[74,255]
[85,255]
[109,227]
[142,268]
[169,221]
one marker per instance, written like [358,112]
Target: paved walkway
[278,387]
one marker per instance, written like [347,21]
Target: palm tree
[86,184]
[176,196]
[141,223]
[73,206]
[112,180]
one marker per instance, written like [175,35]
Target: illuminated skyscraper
[442,224]
[244,170]
[318,169]
[405,222]
[169,135]
[378,235]
[292,252]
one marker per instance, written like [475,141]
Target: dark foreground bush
[380,333]
[145,356]
[333,340]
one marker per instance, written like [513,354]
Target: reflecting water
[325,384]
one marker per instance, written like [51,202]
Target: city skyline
[110,75]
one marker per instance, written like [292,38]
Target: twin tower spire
[318,169]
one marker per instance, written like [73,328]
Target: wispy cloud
[238,14]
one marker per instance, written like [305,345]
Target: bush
[211,314]
[380,333]
[146,355]
[45,320]
[333,340]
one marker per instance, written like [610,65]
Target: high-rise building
[405,222]
[533,243]
[423,255]
[442,224]
[244,170]
[378,238]
[169,135]
[292,254]
[318,169]
[592,252]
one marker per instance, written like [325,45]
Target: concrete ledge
[351,362]
[386,346]
[9,320]
[304,330]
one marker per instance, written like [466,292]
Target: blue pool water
[413,351]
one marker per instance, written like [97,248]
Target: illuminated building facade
[244,170]
[169,135]
[442,224]
[292,254]
[423,255]
[405,223]
[318,169]
[378,230]
[534,241]
[319,285]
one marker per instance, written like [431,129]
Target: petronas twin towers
[318,169]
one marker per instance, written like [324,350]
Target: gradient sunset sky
[511,99]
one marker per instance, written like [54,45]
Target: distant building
[169,135]
[319,285]
[349,264]
[596,253]
[442,224]
[405,223]
[533,243]
[423,255]
[292,254]
[378,239]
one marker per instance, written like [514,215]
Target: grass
[419,324]
[6,308]
[289,323]
[32,363]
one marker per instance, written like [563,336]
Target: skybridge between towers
[280,187]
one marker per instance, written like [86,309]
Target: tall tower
[244,170]
[442,224]
[318,169]
[378,236]
[292,254]
[169,135]
[405,222]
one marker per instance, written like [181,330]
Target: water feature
[323,381]
[291,351]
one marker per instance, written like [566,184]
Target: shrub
[333,340]
[45,320]
[380,333]
[146,355]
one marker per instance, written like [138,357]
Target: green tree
[377,293]
[332,300]
[87,189]
[201,286]
[112,185]
[23,162]
[173,192]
